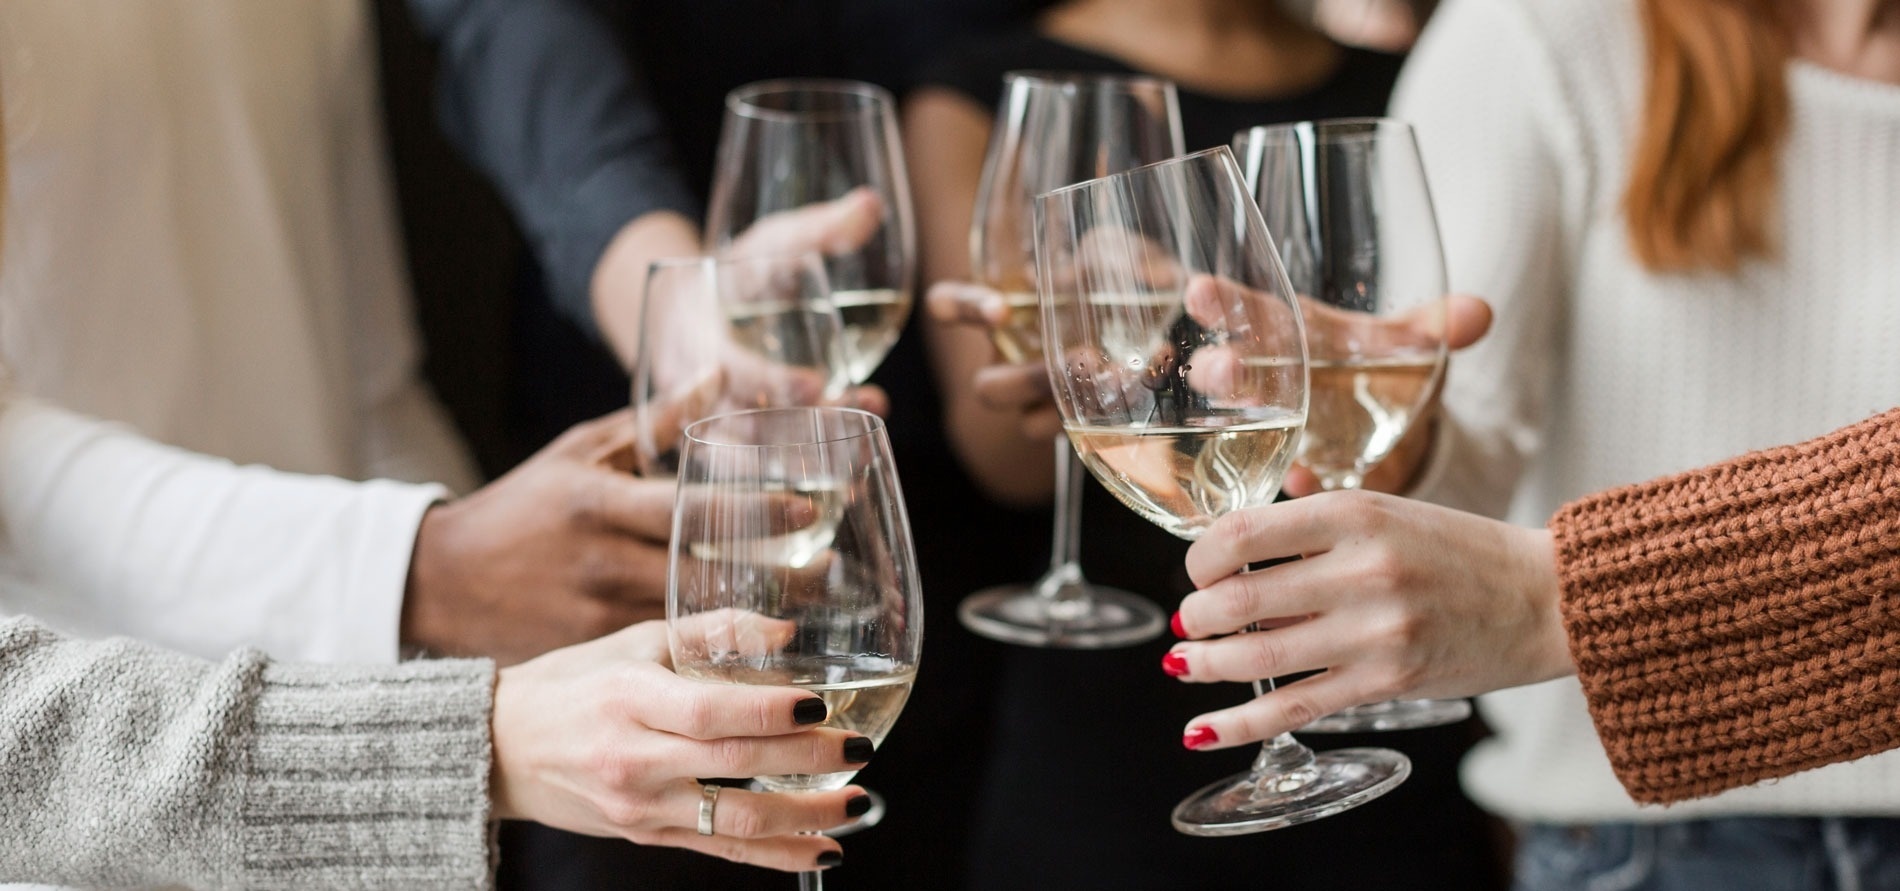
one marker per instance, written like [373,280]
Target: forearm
[1733,624]
[123,765]
[124,535]
[544,100]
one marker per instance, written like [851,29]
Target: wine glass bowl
[1053,129]
[1351,210]
[844,622]
[786,145]
[1177,356]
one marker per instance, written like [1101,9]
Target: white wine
[865,695]
[1358,410]
[1019,338]
[1182,478]
[792,333]
[873,320]
[822,500]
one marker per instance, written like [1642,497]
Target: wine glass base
[1402,714]
[871,817]
[1336,781]
[1105,618]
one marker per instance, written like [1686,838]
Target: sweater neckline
[1816,81]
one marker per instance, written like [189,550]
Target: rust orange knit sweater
[1742,621]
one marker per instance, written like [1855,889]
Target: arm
[544,100]
[1729,625]
[1484,97]
[946,134]
[128,766]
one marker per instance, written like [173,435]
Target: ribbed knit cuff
[1742,621]
[370,778]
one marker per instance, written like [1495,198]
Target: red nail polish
[1175,624]
[1174,664]
[1200,737]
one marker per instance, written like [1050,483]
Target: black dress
[1086,761]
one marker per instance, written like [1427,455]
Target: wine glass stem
[1065,549]
[811,881]
[1282,754]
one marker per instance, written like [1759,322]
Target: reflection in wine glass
[789,144]
[1349,205]
[1054,129]
[1187,404]
[847,622]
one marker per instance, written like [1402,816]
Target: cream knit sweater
[1601,373]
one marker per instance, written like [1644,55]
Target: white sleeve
[121,535]
[1482,95]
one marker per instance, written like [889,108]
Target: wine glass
[1054,129]
[847,623]
[1174,346]
[1349,207]
[787,144]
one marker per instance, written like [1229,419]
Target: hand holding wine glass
[1149,279]
[844,620]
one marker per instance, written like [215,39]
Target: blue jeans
[1733,854]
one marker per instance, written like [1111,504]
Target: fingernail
[1180,631]
[830,858]
[1174,664]
[810,711]
[1200,737]
[858,750]
[857,806]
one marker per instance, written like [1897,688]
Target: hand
[563,549]
[1018,389]
[604,739]
[1466,320]
[1396,599]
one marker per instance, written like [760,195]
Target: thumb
[1467,319]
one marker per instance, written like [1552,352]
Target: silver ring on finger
[708,800]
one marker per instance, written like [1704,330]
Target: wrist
[424,622]
[1544,587]
[619,281]
[500,791]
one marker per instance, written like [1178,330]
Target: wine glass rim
[722,258]
[1067,78]
[1133,172]
[697,430]
[744,100]
[1331,130]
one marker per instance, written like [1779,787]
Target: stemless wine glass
[787,144]
[1349,207]
[1174,346]
[1053,129]
[725,334]
[847,623]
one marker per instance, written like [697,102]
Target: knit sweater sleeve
[123,765]
[1741,622]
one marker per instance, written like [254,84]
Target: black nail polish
[857,806]
[810,711]
[831,858]
[858,750]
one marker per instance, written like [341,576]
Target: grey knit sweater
[125,765]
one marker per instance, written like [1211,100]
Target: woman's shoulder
[975,67]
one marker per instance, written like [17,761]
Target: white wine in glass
[791,144]
[845,623]
[1348,203]
[1053,129]
[1187,403]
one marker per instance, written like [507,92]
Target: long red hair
[1702,188]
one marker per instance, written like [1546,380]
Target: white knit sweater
[1601,373]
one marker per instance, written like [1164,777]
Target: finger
[1309,645]
[1287,529]
[742,813]
[736,632]
[628,572]
[632,505]
[839,226]
[1459,319]
[1283,710]
[1300,482]
[1043,423]
[816,751]
[1018,387]
[869,398]
[700,710]
[587,439]
[967,303]
[1271,595]
[788,853]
